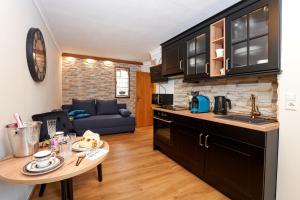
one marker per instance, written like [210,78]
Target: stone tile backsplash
[238,90]
[94,80]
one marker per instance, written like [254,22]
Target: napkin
[93,154]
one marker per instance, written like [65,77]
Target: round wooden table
[10,171]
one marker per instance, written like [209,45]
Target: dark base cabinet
[235,168]
[239,162]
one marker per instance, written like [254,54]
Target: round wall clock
[36,54]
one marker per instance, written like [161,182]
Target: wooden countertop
[10,169]
[213,117]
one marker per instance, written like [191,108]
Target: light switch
[291,101]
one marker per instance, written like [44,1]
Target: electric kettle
[221,105]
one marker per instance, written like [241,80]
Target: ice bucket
[24,141]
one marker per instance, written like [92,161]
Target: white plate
[32,166]
[76,146]
[29,173]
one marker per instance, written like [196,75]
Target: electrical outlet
[291,101]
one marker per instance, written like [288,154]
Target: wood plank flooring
[133,171]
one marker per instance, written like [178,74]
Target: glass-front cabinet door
[197,56]
[252,45]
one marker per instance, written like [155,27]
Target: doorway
[144,88]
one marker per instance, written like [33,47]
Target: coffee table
[10,171]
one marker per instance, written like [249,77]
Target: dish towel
[95,153]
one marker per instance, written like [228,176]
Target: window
[122,82]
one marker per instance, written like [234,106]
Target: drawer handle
[206,68]
[163,120]
[206,146]
[200,139]
[180,64]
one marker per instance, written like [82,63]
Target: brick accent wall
[93,80]
[238,90]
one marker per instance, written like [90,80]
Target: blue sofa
[107,123]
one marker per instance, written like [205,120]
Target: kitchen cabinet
[253,39]
[172,59]
[239,162]
[196,55]
[156,74]
[249,34]
[234,167]
[188,149]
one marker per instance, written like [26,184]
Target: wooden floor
[134,171]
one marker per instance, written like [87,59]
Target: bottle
[18,120]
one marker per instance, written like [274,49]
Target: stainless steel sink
[247,119]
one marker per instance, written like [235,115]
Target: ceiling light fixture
[108,63]
[90,61]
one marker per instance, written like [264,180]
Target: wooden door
[144,115]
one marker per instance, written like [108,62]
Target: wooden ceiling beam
[101,58]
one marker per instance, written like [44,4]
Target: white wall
[288,180]
[19,93]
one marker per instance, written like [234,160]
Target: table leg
[70,188]
[42,190]
[99,169]
[66,189]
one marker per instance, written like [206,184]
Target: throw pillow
[76,112]
[87,105]
[107,107]
[124,112]
[83,115]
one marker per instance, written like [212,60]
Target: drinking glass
[72,137]
[66,149]
[51,126]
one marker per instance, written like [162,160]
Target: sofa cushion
[107,107]
[76,112]
[82,115]
[124,112]
[103,121]
[87,105]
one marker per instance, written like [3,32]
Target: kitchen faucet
[254,109]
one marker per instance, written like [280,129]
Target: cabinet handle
[200,139]
[180,64]
[227,63]
[206,66]
[206,146]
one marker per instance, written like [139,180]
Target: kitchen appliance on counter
[200,104]
[221,105]
[162,99]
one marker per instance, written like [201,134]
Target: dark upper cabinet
[172,59]
[252,40]
[156,74]
[196,55]
[234,167]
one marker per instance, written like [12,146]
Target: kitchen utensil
[42,158]
[60,161]
[80,156]
[76,146]
[219,53]
[51,126]
[24,141]
[221,105]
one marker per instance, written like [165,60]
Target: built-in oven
[162,128]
